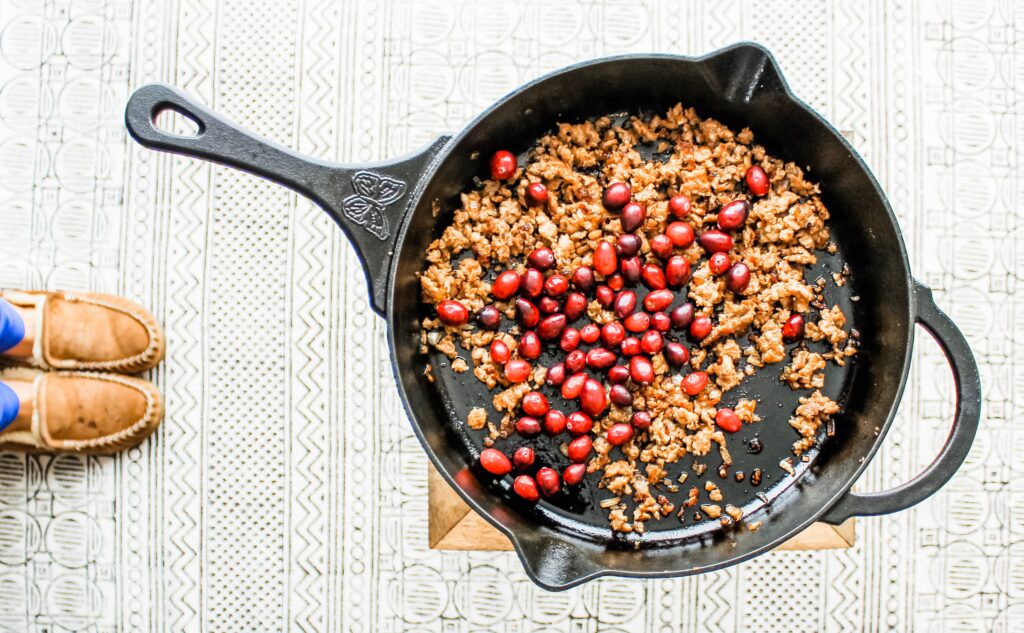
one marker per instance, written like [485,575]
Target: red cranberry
[630,268]
[503,165]
[651,342]
[627,245]
[551,327]
[579,449]
[570,339]
[700,327]
[523,457]
[618,374]
[637,322]
[527,314]
[548,481]
[718,263]
[495,462]
[630,346]
[615,196]
[489,318]
[536,195]
[680,233]
[600,359]
[575,360]
[605,261]
[616,282]
[452,312]
[694,383]
[625,304]
[641,420]
[793,328]
[641,370]
[633,216]
[541,258]
[583,278]
[547,305]
[757,180]
[661,322]
[658,300]
[677,271]
[573,385]
[527,426]
[529,345]
[554,422]
[661,246]
[578,423]
[590,333]
[679,206]
[620,396]
[555,375]
[517,370]
[716,241]
[500,352]
[612,333]
[526,487]
[733,215]
[738,278]
[556,285]
[574,473]
[654,277]
[619,434]
[575,305]
[728,421]
[676,354]
[682,315]
[535,404]
[593,398]
[533,282]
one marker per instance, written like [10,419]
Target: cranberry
[654,277]
[535,404]
[575,305]
[700,327]
[651,342]
[716,241]
[627,245]
[630,346]
[618,374]
[682,315]
[757,180]
[500,352]
[718,263]
[489,318]
[583,278]
[554,422]
[637,322]
[619,434]
[575,360]
[529,345]
[679,206]
[728,421]
[533,282]
[590,333]
[616,195]
[573,385]
[593,398]
[570,339]
[633,216]
[548,481]
[547,305]
[661,322]
[677,271]
[600,359]
[661,246]
[605,261]
[793,328]
[738,278]
[541,258]
[523,457]
[526,487]
[536,195]
[578,423]
[625,304]
[556,285]
[495,462]
[676,354]
[579,449]
[555,375]
[620,396]
[733,215]
[503,165]
[527,426]
[517,370]
[527,314]
[452,312]
[574,473]
[680,233]
[616,282]
[694,383]
[641,370]
[658,300]
[612,333]
[630,268]
[605,296]
[551,327]
[641,420]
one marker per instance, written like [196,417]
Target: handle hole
[170,120]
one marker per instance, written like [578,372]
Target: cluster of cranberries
[548,303]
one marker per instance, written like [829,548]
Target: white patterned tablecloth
[285,489]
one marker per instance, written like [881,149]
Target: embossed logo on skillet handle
[370,202]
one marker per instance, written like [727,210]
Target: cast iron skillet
[386,210]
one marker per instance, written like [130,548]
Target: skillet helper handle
[958,444]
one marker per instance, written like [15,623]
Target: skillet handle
[958,444]
[369,202]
